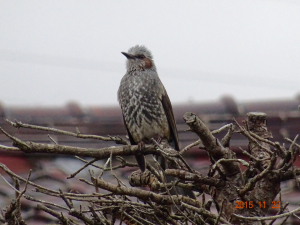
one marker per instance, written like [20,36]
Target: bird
[146,107]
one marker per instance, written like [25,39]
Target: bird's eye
[140,56]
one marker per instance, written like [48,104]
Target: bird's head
[139,58]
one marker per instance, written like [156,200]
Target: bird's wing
[170,117]
[120,102]
[139,157]
[132,142]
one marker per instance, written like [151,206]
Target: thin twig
[19,124]
[82,168]
[258,218]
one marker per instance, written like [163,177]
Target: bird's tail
[141,162]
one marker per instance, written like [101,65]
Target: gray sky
[53,52]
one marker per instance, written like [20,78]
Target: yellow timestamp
[250,204]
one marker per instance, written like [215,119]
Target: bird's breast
[143,112]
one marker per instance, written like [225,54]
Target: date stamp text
[251,204]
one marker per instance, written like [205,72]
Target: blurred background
[52,52]
[61,66]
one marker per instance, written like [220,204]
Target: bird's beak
[128,56]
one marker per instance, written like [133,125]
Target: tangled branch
[114,200]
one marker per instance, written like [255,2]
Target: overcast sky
[53,52]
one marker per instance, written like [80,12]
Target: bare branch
[19,124]
[143,194]
[126,150]
[190,146]
[257,218]
[251,182]
[199,178]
